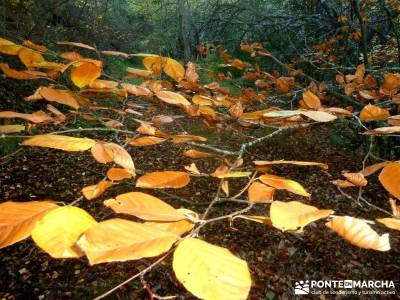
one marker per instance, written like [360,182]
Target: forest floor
[276,259]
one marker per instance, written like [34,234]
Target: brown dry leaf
[295,215]
[357,179]
[106,152]
[340,79]
[146,141]
[225,187]
[34,46]
[136,90]
[61,142]
[192,168]
[284,84]
[260,193]
[147,207]
[374,113]
[178,227]
[383,130]
[390,178]
[172,98]
[138,73]
[17,219]
[197,154]
[115,53]
[21,75]
[163,180]
[391,223]
[162,119]
[257,219]
[236,110]
[80,45]
[319,116]
[93,191]
[373,168]
[359,233]
[146,128]
[184,138]
[311,100]
[113,124]
[11,128]
[202,100]
[221,170]
[122,240]
[85,74]
[281,183]
[116,174]
[174,69]
[191,74]
[103,84]
[395,208]
[71,56]
[391,81]
[342,183]
[290,162]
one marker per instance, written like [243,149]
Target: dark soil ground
[276,259]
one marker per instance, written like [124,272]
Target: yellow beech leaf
[85,73]
[290,162]
[197,154]
[234,175]
[163,180]
[174,69]
[357,179]
[29,57]
[210,272]
[107,152]
[122,240]
[34,46]
[154,64]
[61,142]
[202,100]
[295,215]
[18,218]
[138,73]
[57,232]
[11,128]
[8,47]
[94,191]
[281,183]
[172,98]
[119,174]
[311,100]
[390,178]
[374,113]
[177,227]
[359,233]
[146,141]
[260,193]
[36,117]
[147,207]
[391,223]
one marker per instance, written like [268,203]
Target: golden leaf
[61,142]
[29,57]
[172,98]
[85,73]
[36,117]
[260,193]
[374,113]
[319,116]
[191,74]
[164,179]
[281,183]
[284,84]
[60,96]
[107,152]
[11,128]
[391,223]
[17,219]
[57,232]
[197,264]
[369,170]
[93,191]
[147,207]
[295,215]
[197,154]
[311,100]
[8,47]
[146,141]
[177,227]
[122,240]
[174,69]
[21,75]
[356,178]
[359,233]
[290,162]
[390,178]
[233,175]
[184,138]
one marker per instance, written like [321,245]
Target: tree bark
[184,30]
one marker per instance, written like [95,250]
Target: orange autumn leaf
[359,233]
[260,193]
[107,152]
[383,130]
[284,84]
[34,46]
[116,174]
[357,179]
[390,178]
[61,142]
[191,74]
[93,191]
[17,219]
[290,162]
[36,117]
[174,69]
[146,141]
[85,73]
[281,183]
[56,95]
[369,170]
[21,75]
[197,154]
[29,57]
[374,113]
[184,138]
[164,179]
[80,45]
[342,183]
[11,128]
[311,100]
[172,98]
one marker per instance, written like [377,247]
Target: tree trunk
[184,30]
